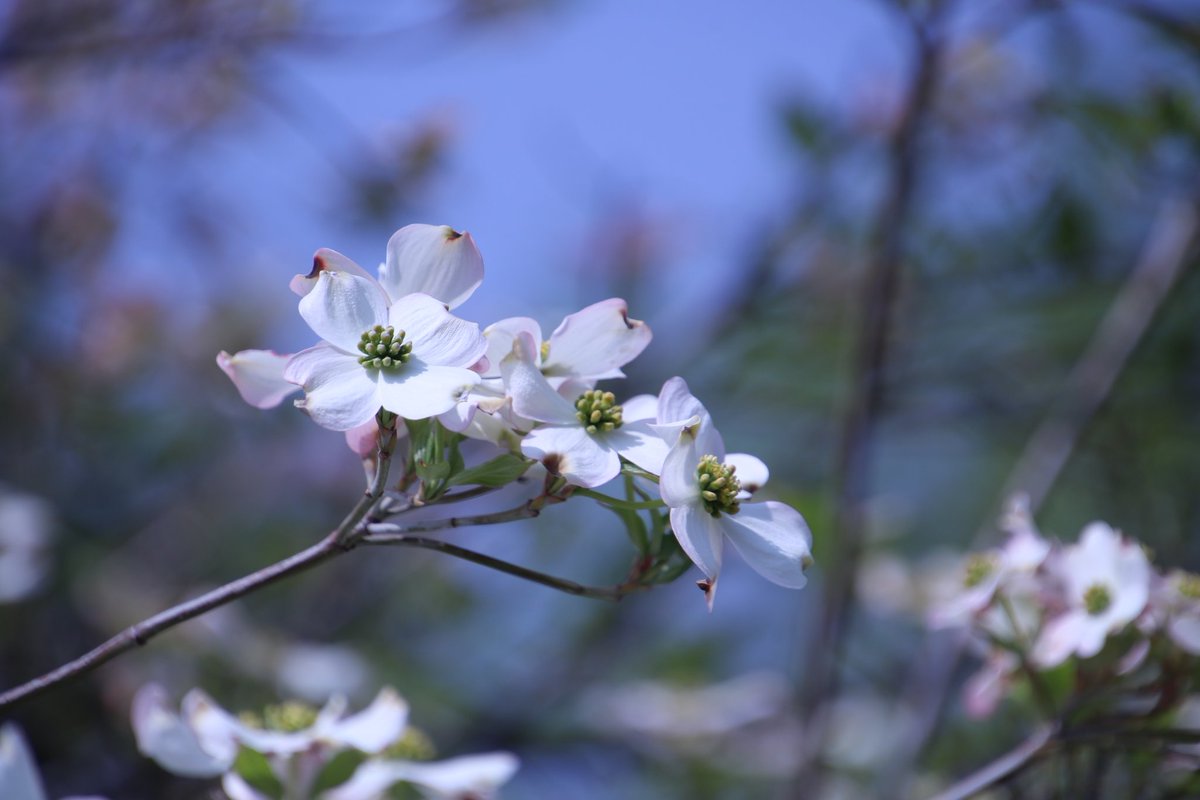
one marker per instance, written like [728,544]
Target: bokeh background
[914,254]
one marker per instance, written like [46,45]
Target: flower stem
[615,502]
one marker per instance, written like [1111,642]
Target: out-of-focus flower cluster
[390,352]
[296,751]
[1088,625]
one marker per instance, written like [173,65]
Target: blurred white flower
[1106,585]
[26,526]
[19,779]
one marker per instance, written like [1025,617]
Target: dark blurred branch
[561,584]
[1162,261]
[852,467]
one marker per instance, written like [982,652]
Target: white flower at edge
[704,489]
[19,779]
[582,441]
[1175,607]
[204,741]
[1106,583]
[26,529]
[420,369]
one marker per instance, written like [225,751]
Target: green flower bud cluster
[383,348]
[598,411]
[414,745]
[1189,586]
[286,717]
[718,486]
[980,566]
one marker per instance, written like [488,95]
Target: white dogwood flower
[704,489]
[585,440]
[410,358]
[1106,583]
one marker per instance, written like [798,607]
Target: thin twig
[1002,768]
[389,532]
[561,584]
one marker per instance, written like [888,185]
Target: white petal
[432,259]
[1058,640]
[1185,632]
[374,728]
[596,340]
[532,396]
[19,778]
[258,376]
[236,788]
[340,394]
[163,736]
[774,540]
[342,306]
[572,452]
[361,439]
[676,406]
[437,336]
[637,442]
[418,390]
[700,536]
[641,406]
[501,336]
[467,776]
[220,733]
[751,471]
[677,482]
[326,259]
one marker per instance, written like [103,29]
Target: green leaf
[500,471]
[256,771]
[338,770]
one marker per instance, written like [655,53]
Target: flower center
[598,411]
[544,350]
[979,568]
[718,486]
[287,717]
[383,348]
[1097,599]
[1189,586]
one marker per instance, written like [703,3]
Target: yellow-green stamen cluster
[1097,599]
[718,486]
[287,717]
[414,745]
[598,411]
[979,568]
[1189,586]
[383,348]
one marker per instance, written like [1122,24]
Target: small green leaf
[254,768]
[338,770]
[500,471]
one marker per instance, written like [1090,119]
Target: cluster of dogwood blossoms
[391,346]
[1033,605]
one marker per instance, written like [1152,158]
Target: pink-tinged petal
[460,417]
[1134,658]
[326,260]
[362,439]
[437,336]
[984,690]
[532,396]
[751,471]
[476,776]
[19,779]
[258,376]
[596,340]
[642,406]
[1185,632]
[700,536]
[1058,640]
[163,736]
[774,539]
[341,307]
[502,335]
[573,453]
[419,391]
[340,394]
[432,259]
[637,442]
[374,728]
[677,482]
[1092,633]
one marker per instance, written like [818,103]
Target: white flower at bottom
[701,486]
[463,778]
[1106,580]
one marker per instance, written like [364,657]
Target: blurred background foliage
[947,228]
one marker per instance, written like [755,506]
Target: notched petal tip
[709,587]
[452,234]
[553,463]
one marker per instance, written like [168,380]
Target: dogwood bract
[701,486]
